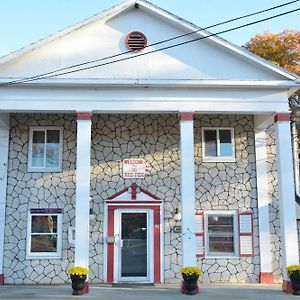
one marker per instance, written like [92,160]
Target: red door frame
[155,206]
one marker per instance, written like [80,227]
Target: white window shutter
[246,245]
[200,233]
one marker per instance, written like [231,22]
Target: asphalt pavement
[161,292]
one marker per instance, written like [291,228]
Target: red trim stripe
[84,116]
[186,116]
[133,191]
[281,117]
[110,246]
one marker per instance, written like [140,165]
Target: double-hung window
[45,149]
[222,233]
[44,233]
[218,144]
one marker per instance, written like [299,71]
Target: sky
[23,22]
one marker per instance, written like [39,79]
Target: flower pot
[296,286]
[190,285]
[78,284]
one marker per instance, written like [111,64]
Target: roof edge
[117,9]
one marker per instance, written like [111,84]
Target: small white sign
[135,168]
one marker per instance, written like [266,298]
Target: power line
[154,44]
[43,76]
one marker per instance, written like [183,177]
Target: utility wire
[44,76]
[157,43]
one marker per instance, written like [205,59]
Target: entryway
[133,237]
[134,255]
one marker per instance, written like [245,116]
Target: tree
[282,48]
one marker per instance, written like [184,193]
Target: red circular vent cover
[136,41]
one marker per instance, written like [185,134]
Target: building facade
[147,160]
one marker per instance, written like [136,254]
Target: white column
[82,189]
[286,189]
[4,146]
[266,275]
[187,189]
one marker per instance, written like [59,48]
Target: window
[45,149]
[218,144]
[44,236]
[224,233]
[221,233]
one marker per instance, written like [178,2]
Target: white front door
[134,245]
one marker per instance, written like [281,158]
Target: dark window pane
[210,139]
[221,234]
[221,245]
[43,243]
[225,143]
[53,136]
[44,224]
[38,137]
[134,250]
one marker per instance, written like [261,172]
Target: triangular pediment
[207,58]
[133,193]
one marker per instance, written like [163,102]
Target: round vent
[136,41]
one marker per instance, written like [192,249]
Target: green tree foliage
[282,48]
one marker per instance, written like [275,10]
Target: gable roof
[128,4]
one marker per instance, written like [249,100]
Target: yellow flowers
[191,271]
[78,271]
[293,271]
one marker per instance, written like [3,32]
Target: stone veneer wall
[154,138]
[114,138]
[229,186]
[37,190]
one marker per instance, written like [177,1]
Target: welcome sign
[135,168]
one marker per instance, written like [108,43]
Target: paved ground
[161,292]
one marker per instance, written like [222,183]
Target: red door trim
[110,246]
[156,238]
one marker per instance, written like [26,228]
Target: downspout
[296,165]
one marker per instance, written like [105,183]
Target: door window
[134,244]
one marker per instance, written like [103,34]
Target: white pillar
[4,146]
[187,189]
[286,189]
[82,189]
[266,275]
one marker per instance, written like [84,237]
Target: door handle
[121,243]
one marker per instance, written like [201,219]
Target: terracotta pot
[78,284]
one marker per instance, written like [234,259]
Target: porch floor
[163,291]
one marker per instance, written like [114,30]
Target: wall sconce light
[177,215]
[92,216]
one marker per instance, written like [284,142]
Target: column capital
[282,117]
[186,116]
[84,116]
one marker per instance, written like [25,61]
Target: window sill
[44,170]
[221,257]
[218,159]
[43,256]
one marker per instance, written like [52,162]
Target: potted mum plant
[190,277]
[78,276]
[294,274]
